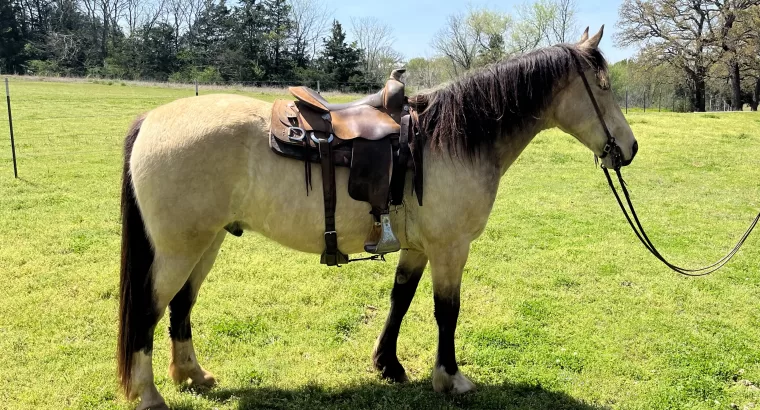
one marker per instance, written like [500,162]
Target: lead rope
[612,148]
[641,234]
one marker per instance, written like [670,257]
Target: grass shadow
[28,182]
[414,395]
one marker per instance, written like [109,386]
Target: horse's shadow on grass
[414,395]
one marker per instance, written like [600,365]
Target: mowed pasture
[562,308]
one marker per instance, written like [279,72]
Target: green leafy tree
[159,58]
[11,39]
[489,28]
[340,60]
[210,38]
[423,73]
[248,42]
[277,28]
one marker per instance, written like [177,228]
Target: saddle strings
[641,234]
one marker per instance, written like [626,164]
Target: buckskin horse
[194,166]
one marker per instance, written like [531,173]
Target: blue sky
[416,21]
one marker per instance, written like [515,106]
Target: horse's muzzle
[634,150]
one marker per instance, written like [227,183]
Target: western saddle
[371,136]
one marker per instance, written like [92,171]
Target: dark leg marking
[446,315]
[179,314]
[385,358]
[145,318]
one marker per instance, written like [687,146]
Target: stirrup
[385,241]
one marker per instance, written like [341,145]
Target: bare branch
[375,38]
[311,20]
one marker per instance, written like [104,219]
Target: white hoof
[456,384]
[184,366]
[151,399]
[197,377]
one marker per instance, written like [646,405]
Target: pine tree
[277,28]
[209,35]
[248,42]
[340,60]
[11,41]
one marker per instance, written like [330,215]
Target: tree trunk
[756,97]
[104,35]
[698,98]
[736,88]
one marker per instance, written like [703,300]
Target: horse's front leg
[411,264]
[446,265]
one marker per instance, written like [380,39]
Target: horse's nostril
[634,149]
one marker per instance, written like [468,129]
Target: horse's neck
[509,147]
[487,167]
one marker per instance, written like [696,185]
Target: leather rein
[613,150]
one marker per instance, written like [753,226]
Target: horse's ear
[593,42]
[584,36]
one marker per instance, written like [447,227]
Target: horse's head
[573,108]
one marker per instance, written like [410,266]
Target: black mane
[473,112]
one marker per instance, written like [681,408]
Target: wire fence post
[645,101]
[659,101]
[10,124]
[318,91]
[196,87]
[626,98]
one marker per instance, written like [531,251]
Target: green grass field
[562,308]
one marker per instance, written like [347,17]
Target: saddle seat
[389,100]
[370,136]
[361,121]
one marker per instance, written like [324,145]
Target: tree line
[480,36]
[697,53]
[185,40]
[692,55]
[255,40]
[706,51]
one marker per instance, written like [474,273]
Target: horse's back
[196,116]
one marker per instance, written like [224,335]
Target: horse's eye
[604,82]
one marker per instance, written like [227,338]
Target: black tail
[136,260]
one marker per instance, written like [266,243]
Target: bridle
[617,160]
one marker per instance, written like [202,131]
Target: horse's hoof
[390,369]
[150,398]
[456,384]
[197,377]
[393,371]
[177,374]
[154,406]
[204,380]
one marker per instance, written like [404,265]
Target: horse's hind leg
[446,267]
[184,364]
[410,267]
[170,271]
